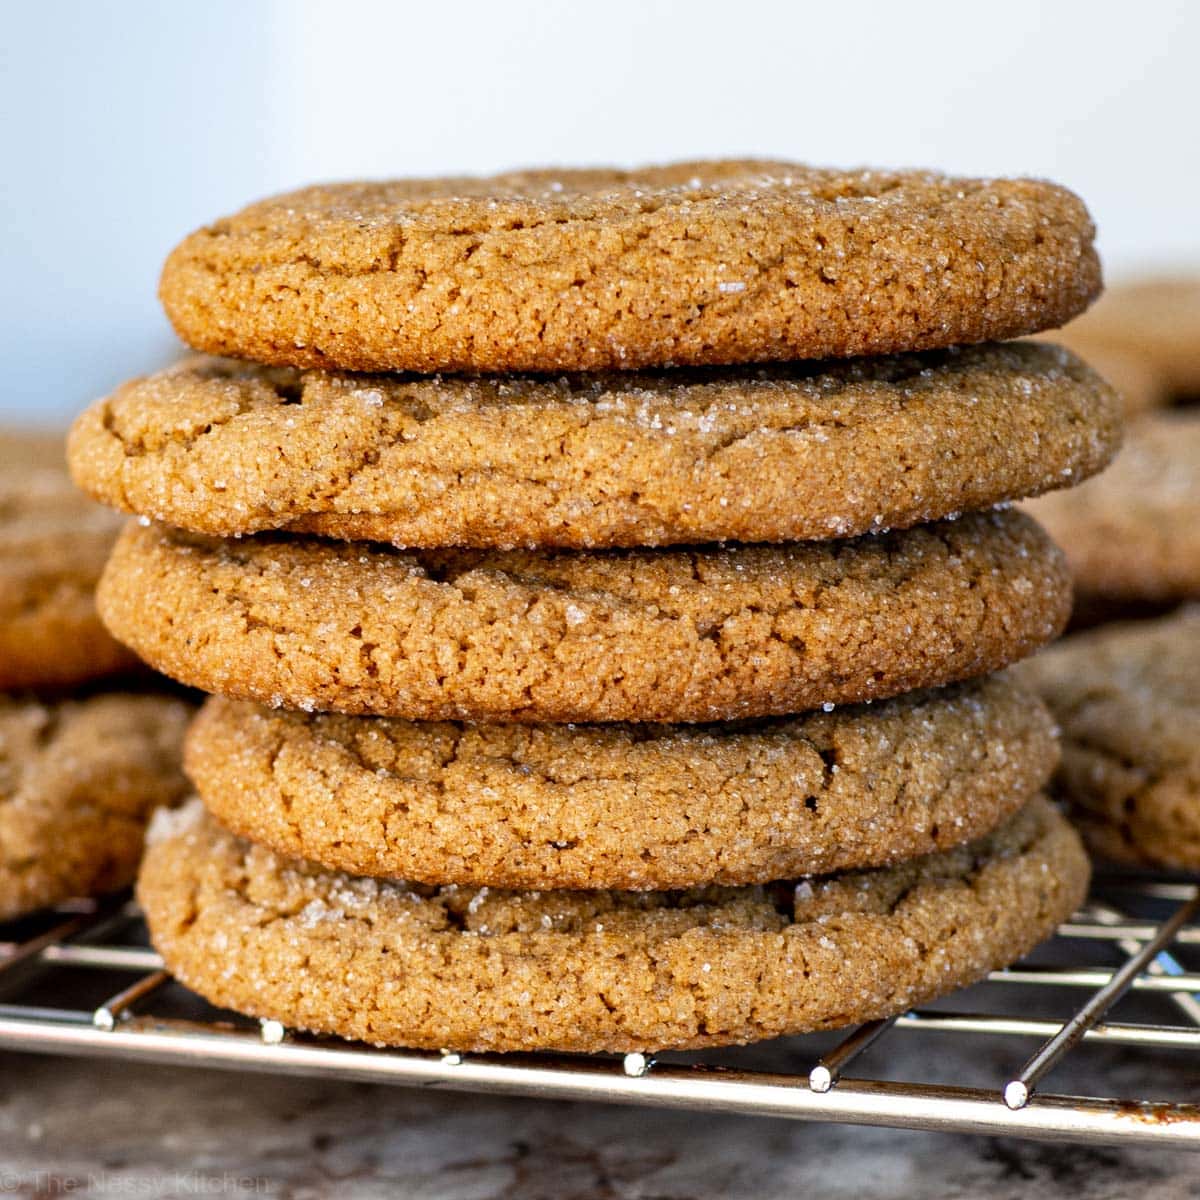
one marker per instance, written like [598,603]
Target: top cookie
[53,543]
[692,263]
[794,452]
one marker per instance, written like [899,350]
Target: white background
[125,124]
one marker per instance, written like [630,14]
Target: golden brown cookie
[639,459]
[472,969]
[78,781]
[1154,320]
[687,264]
[625,806]
[1133,534]
[53,543]
[644,635]
[1127,700]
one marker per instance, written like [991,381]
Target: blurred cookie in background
[79,779]
[1139,383]
[1143,336]
[81,769]
[1126,699]
[1132,535]
[53,545]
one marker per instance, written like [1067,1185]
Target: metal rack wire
[1144,930]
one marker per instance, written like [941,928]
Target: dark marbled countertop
[101,1128]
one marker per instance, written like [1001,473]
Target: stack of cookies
[86,751]
[619,676]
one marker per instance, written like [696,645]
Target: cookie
[1156,320]
[624,806]
[476,969]
[582,270]
[53,544]
[703,634]
[78,781]
[1126,699]
[1133,534]
[639,459]
[1139,383]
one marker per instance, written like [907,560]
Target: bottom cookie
[473,969]
[78,781]
[1126,699]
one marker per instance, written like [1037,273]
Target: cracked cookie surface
[78,781]
[714,633]
[1125,698]
[625,806]
[53,544]
[686,264]
[477,969]
[638,459]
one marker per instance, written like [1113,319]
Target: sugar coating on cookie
[801,451]
[1127,702]
[712,633]
[686,264]
[624,806]
[78,781]
[1133,533]
[53,545]
[482,969]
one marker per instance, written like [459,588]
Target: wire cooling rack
[81,980]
